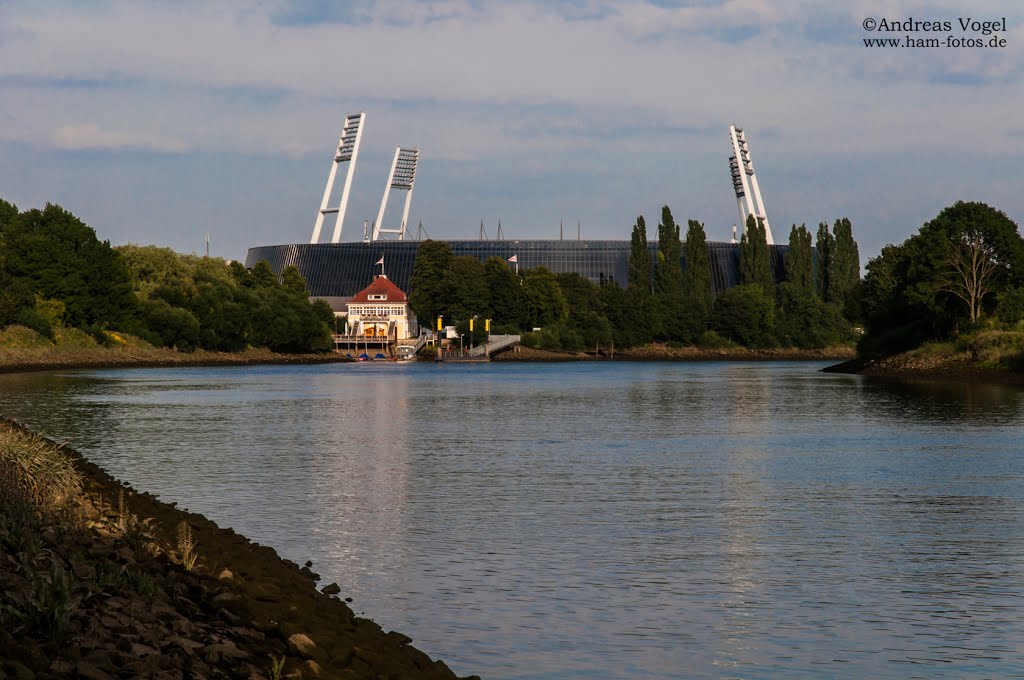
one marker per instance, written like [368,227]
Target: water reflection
[602,520]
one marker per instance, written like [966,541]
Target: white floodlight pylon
[748,194]
[402,176]
[348,150]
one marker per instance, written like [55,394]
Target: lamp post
[461,335]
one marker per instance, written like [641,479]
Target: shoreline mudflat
[105,591]
[665,353]
[36,359]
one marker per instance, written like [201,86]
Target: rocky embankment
[98,581]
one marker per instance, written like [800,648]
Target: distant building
[381,310]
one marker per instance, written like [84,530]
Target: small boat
[363,357]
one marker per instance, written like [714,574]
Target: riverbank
[101,581]
[659,352]
[23,350]
[989,356]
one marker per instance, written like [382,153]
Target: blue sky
[159,122]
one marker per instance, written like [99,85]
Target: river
[601,520]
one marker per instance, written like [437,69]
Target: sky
[164,121]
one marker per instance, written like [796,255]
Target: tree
[799,261]
[668,323]
[697,294]
[844,278]
[543,299]
[427,295]
[262,276]
[503,292]
[639,258]
[464,290]
[59,257]
[293,280]
[755,265]
[824,246]
[915,291]
[745,314]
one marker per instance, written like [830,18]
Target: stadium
[337,270]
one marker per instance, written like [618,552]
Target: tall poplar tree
[825,248]
[697,295]
[755,266]
[668,280]
[799,260]
[845,277]
[639,258]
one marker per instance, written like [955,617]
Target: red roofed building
[381,310]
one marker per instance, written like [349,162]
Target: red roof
[380,286]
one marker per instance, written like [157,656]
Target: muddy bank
[665,353]
[119,584]
[913,366]
[14,361]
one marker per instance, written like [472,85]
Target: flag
[514,258]
[380,261]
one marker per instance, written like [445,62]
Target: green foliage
[293,280]
[58,257]
[697,293]
[755,265]
[174,326]
[799,264]
[190,302]
[639,258]
[825,247]
[30,317]
[427,287]
[712,340]
[803,320]
[745,314]
[464,289]
[844,280]
[1010,308]
[543,301]
[912,292]
[669,306]
[503,292]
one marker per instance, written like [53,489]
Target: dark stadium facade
[340,270]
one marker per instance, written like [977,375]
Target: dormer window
[377,296]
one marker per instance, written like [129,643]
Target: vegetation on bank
[99,582]
[55,274]
[23,349]
[955,288]
[814,303]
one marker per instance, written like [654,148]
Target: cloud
[90,137]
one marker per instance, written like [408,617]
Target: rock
[62,667]
[87,670]
[300,644]
[215,653]
[225,597]
[225,575]
[332,589]
[399,638]
[309,563]
[311,669]
[266,592]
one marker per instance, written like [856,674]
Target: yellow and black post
[439,337]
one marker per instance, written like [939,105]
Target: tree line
[814,302]
[55,272]
[962,271]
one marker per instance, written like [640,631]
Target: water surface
[624,520]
